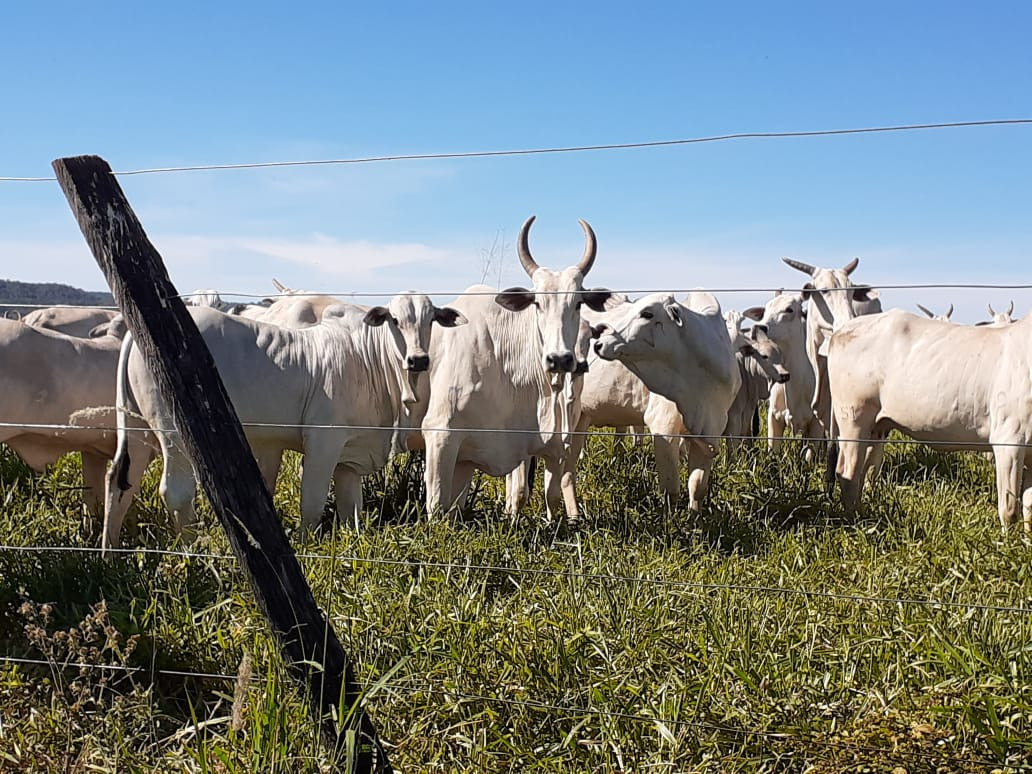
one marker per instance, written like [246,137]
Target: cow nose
[597,346]
[418,362]
[560,362]
[782,378]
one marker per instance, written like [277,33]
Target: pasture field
[769,633]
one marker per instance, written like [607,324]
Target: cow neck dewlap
[519,349]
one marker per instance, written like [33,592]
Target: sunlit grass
[769,632]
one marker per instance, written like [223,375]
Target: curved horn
[991,310]
[590,248]
[523,248]
[926,310]
[280,286]
[1010,308]
[805,268]
[949,312]
[850,267]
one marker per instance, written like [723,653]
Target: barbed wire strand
[974,446]
[565,710]
[538,572]
[354,294]
[554,150]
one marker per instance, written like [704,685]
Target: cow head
[999,319]
[758,346]
[638,328]
[768,356]
[783,321]
[408,317]
[556,298]
[831,293]
[944,317]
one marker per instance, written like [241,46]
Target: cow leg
[851,464]
[120,485]
[668,458]
[569,475]
[320,464]
[516,490]
[460,485]
[553,488]
[441,456]
[178,488]
[700,462]
[775,428]
[1010,468]
[94,470]
[875,455]
[269,464]
[347,489]
[1026,497]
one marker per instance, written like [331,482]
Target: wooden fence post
[215,442]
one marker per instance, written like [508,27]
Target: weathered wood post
[215,442]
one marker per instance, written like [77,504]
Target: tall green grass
[768,633]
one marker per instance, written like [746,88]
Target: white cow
[71,320]
[791,403]
[760,364]
[834,299]
[49,378]
[683,353]
[944,317]
[999,318]
[494,397]
[956,386]
[324,390]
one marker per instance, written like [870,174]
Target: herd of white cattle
[507,376]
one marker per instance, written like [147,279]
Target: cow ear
[447,317]
[515,299]
[862,292]
[759,333]
[674,313]
[598,330]
[377,316]
[754,313]
[599,299]
[747,350]
[808,290]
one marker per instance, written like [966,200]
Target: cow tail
[120,464]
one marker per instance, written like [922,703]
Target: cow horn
[949,312]
[280,286]
[850,267]
[926,310]
[1010,308]
[590,249]
[803,267]
[991,309]
[523,248]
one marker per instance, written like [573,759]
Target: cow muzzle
[560,362]
[417,363]
[783,377]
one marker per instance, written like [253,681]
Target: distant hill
[34,294]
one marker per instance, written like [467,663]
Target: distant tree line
[34,294]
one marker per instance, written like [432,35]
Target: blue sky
[195,84]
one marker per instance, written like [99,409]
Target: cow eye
[646,314]
[394,320]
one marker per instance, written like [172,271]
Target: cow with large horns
[834,300]
[497,396]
